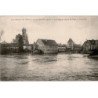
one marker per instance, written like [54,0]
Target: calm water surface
[60,67]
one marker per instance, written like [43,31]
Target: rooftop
[49,42]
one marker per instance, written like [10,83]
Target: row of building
[89,46]
[21,45]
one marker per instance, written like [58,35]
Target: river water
[60,67]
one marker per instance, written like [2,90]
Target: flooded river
[60,67]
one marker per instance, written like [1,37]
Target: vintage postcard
[48,48]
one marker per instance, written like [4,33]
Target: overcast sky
[59,28]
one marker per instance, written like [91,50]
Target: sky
[58,28]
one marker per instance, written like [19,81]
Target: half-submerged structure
[47,46]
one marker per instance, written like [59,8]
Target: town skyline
[58,28]
[48,48]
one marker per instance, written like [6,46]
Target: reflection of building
[25,37]
[90,45]
[47,46]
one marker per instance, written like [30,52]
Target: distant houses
[90,45]
[70,45]
[73,47]
[46,46]
[6,48]
[62,48]
[21,44]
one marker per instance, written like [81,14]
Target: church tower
[25,37]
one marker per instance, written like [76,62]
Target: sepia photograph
[48,48]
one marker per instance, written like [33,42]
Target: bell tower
[25,37]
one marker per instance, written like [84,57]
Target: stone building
[25,37]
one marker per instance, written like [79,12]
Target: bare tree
[1,33]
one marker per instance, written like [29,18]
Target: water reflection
[48,67]
[45,58]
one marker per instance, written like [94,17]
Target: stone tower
[25,37]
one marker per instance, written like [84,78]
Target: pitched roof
[92,41]
[49,42]
[70,41]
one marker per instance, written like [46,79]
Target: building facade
[8,48]
[90,45]
[47,46]
[73,47]
[62,48]
[70,44]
